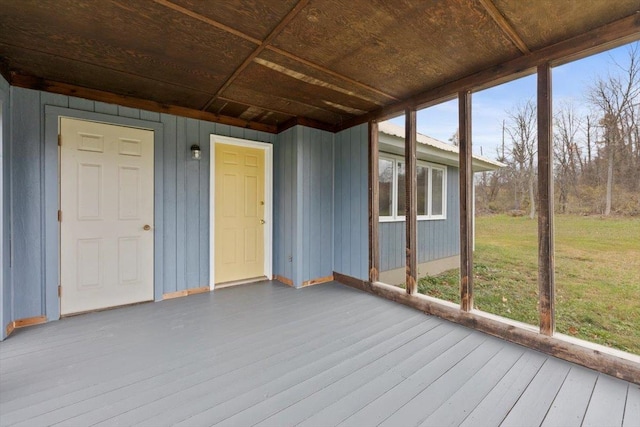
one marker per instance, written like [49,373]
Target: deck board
[632,408]
[454,410]
[265,354]
[607,403]
[239,376]
[536,400]
[569,407]
[494,407]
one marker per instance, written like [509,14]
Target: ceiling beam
[246,104]
[331,73]
[258,42]
[36,83]
[291,101]
[208,21]
[505,26]
[277,30]
[602,38]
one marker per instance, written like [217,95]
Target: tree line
[596,151]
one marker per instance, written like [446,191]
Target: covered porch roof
[271,64]
[266,354]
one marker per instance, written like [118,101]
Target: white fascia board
[394,144]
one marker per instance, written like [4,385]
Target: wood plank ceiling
[263,64]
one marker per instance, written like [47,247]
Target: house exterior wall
[351,203]
[437,239]
[182,186]
[320,199]
[285,183]
[316,152]
[5,272]
[303,204]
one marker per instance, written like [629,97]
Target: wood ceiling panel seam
[153,79]
[208,21]
[281,25]
[290,101]
[312,80]
[332,73]
[505,26]
[246,104]
[272,48]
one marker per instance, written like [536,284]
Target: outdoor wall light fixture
[195,152]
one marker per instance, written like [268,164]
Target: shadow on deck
[271,355]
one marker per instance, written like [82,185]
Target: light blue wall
[320,201]
[316,191]
[5,271]
[285,180]
[303,204]
[436,238]
[182,220]
[351,201]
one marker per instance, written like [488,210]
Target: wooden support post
[374,204]
[546,279]
[466,201]
[411,203]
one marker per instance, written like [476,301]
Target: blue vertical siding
[5,204]
[182,186]
[317,200]
[26,202]
[303,204]
[284,199]
[436,238]
[351,213]
[170,225]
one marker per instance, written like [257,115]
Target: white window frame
[394,187]
[395,216]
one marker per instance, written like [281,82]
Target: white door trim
[268,203]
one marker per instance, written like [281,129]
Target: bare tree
[616,96]
[521,129]
[567,152]
[455,138]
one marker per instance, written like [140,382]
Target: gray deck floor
[268,355]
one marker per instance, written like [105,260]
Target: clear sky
[489,107]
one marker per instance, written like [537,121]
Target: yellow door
[239,213]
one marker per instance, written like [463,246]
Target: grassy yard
[597,276]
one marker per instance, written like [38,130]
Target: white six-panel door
[106,200]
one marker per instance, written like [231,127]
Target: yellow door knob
[147,227]
[262,221]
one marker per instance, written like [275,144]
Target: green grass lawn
[597,276]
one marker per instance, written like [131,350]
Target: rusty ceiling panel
[544,22]
[318,78]
[252,17]
[90,76]
[333,62]
[406,46]
[227,108]
[273,79]
[137,37]
[283,104]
